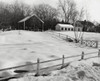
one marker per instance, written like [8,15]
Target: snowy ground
[76,71]
[86,35]
[18,49]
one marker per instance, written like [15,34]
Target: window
[68,29]
[65,28]
[78,29]
[61,28]
[72,29]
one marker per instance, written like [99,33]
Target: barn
[33,23]
[64,27]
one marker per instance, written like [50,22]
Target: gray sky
[92,6]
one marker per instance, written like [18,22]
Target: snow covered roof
[28,17]
[66,25]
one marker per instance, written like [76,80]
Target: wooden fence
[65,37]
[98,44]
[88,43]
[83,56]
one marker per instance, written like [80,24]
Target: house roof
[78,24]
[66,25]
[28,17]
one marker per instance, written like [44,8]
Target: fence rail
[89,43]
[46,61]
[63,63]
[60,66]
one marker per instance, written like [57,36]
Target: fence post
[81,40]
[59,34]
[62,61]
[99,53]
[38,68]
[86,42]
[96,44]
[66,37]
[82,56]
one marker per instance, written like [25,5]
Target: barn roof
[66,25]
[28,17]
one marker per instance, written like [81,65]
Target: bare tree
[69,10]
[47,13]
[19,11]
[10,14]
[81,14]
[25,8]
[5,16]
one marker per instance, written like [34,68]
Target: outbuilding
[64,27]
[32,22]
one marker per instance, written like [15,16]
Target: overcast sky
[92,6]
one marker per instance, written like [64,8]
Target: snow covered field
[86,35]
[32,45]
[76,71]
[18,49]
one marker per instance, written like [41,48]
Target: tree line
[66,12]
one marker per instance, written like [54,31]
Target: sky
[92,7]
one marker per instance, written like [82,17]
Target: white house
[78,26]
[64,27]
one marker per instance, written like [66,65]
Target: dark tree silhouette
[48,14]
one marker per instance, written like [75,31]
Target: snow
[17,49]
[65,25]
[81,72]
[86,35]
